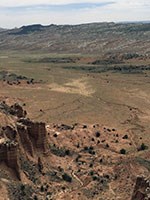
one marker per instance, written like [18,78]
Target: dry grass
[75,86]
[69,96]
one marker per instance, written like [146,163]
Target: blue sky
[14,13]
[52,7]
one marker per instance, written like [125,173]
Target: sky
[15,13]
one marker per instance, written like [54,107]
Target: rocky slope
[58,161]
[142,188]
[95,38]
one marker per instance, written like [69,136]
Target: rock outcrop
[32,134]
[14,109]
[23,137]
[9,132]
[17,110]
[141,189]
[9,155]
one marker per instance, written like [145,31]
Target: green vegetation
[56,60]
[123,151]
[20,191]
[143,147]
[125,137]
[89,149]
[67,178]
[60,151]
[7,76]
[30,168]
[42,188]
[143,162]
[97,134]
[54,176]
[35,197]
[124,69]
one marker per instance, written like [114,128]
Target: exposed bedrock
[141,189]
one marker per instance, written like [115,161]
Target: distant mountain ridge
[2,29]
[84,38]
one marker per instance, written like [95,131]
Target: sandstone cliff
[23,137]
[9,154]
[141,189]
[32,135]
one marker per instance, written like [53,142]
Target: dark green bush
[122,151]
[125,137]
[142,147]
[97,134]
[66,177]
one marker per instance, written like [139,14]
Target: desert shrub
[42,188]
[86,148]
[20,191]
[91,152]
[66,177]
[54,176]
[67,152]
[60,151]
[35,197]
[107,145]
[97,134]
[91,173]
[30,168]
[78,145]
[122,151]
[55,135]
[95,178]
[84,126]
[91,165]
[142,147]
[125,137]
[91,148]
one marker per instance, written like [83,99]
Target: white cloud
[120,10]
[15,3]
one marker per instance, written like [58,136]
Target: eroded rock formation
[23,136]
[9,154]
[14,109]
[17,110]
[33,132]
[141,189]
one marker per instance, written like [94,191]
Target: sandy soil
[75,86]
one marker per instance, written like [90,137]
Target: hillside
[57,161]
[95,38]
[75,112]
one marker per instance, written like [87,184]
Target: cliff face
[14,109]
[32,135]
[9,154]
[141,189]
[24,138]
[37,131]
[24,134]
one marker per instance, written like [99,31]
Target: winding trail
[73,174]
